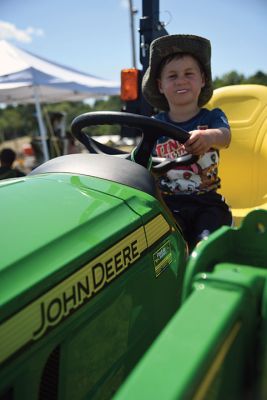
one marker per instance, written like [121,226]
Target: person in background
[178,84]
[7,158]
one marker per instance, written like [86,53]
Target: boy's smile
[181,91]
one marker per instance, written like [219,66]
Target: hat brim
[163,47]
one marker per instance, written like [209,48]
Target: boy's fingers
[190,141]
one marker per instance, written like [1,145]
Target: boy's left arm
[201,141]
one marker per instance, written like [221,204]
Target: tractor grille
[49,382]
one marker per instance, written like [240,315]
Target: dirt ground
[16,144]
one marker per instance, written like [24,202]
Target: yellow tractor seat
[243,166]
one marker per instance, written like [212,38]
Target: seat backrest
[243,165]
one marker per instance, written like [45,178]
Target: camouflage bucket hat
[163,47]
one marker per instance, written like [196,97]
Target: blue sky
[93,36]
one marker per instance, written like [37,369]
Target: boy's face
[181,81]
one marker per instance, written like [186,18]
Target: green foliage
[231,78]
[234,78]
[16,121]
[259,78]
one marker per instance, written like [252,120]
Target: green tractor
[98,292]
[91,271]
[99,296]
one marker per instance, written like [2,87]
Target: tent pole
[41,124]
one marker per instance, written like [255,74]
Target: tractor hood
[53,220]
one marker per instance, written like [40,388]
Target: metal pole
[132,13]
[150,29]
[41,124]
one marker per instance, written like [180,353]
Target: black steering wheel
[151,129]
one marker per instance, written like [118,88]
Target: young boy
[178,81]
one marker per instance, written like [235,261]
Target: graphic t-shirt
[201,176]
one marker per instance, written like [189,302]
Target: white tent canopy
[20,71]
[27,78]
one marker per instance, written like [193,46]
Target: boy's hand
[198,143]
[201,141]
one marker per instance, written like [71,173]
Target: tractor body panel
[215,344]
[89,277]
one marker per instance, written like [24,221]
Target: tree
[259,78]
[231,78]
[235,78]
[17,121]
